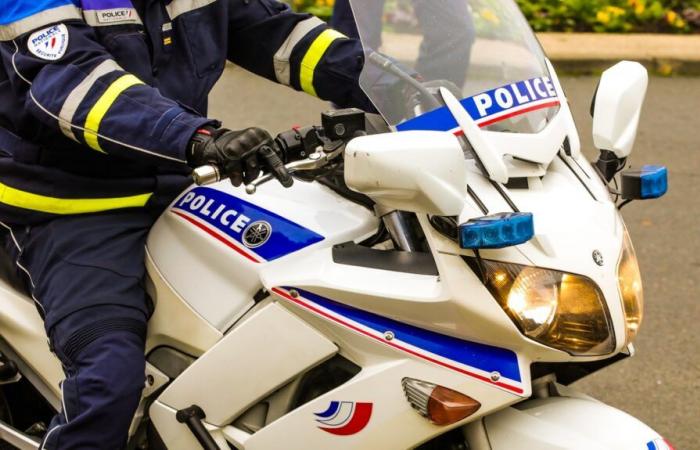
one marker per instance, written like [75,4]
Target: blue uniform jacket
[99,98]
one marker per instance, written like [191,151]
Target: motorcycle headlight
[630,283]
[561,310]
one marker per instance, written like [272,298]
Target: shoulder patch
[50,43]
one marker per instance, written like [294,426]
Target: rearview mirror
[416,171]
[617,106]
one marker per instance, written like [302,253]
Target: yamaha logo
[598,258]
[257,234]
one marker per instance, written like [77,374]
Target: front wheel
[6,417]
[566,422]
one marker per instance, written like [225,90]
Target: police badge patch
[50,43]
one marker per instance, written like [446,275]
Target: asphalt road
[661,384]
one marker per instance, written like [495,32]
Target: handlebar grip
[276,166]
[205,175]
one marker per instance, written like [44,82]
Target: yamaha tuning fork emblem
[257,234]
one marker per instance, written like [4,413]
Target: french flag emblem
[344,418]
[659,444]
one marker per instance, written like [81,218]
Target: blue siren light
[654,181]
[497,231]
[648,183]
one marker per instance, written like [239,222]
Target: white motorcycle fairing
[392,324]
[332,305]
[328,315]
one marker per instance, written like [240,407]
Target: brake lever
[276,166]
[209,174]
[316,160]
[304,164]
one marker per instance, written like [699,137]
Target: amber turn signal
[440,405]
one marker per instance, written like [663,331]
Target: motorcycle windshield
[482,50]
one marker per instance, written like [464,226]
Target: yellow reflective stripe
[312,57]
[100,108]
[64,206]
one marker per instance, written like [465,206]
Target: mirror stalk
[608,165]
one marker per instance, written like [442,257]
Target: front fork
[401,229]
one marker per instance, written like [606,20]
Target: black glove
[235,153]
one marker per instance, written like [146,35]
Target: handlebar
[306,150]
[206,175]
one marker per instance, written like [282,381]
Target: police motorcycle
[434,277]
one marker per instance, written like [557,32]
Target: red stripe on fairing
[518,113]
[359,420]
[399,347]
[216,235]
[514,114]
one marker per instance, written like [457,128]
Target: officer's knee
[113,367]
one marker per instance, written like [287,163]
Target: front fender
[568,423]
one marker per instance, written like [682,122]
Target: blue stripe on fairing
[287,237]
[480,356]
[437,120]
[651,446]
[12,11]
[442,120]
[332,409]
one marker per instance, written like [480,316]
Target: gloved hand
[238,155]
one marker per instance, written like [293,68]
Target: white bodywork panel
[255,358]
[393,424]
[226,281]
[174,323]
[22,327]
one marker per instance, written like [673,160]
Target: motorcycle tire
[5,416]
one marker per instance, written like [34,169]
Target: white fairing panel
[23,329]
[256,357]
[213,241]
[567,423]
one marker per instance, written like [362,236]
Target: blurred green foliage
[643,16]
[319,8]
[650,16]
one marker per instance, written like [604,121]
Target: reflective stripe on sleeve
[178,7]
[313,56]
[77,95]
[44,18]
[99,110]
[281,58]
[65,206]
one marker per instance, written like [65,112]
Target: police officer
[102,116]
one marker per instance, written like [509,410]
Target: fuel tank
[212,242]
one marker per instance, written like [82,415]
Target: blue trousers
[86,275]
